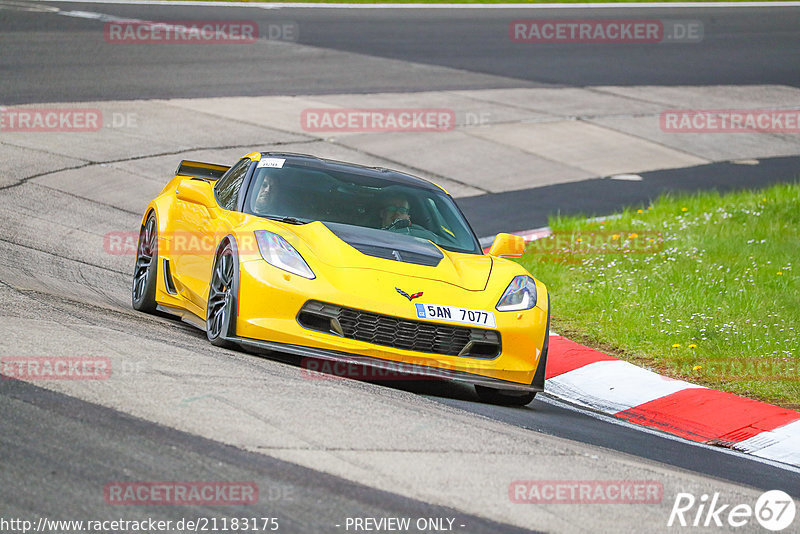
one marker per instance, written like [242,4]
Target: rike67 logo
[774,510]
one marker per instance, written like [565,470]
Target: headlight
[519,295]
[279,253]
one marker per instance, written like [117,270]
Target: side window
[227,188]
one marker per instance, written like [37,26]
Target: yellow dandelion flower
[676,345]
[615,237]
[634,235]
[780,273]
[697,367]
[684,209]
[692,346]
[639,211]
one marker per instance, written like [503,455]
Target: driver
[396,217]
[395,213]
[266,197]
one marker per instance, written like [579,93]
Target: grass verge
[700,287]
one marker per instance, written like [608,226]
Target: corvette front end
[359,311]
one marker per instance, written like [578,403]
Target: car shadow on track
[435,387]
[314,368]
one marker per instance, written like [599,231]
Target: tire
[514,398]
[222,292]
[504,397]
[145,272]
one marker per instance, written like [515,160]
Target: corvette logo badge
[406,295]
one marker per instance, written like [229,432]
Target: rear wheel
[504,397]
[221,309]
[145,273]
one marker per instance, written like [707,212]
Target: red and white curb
[609,385]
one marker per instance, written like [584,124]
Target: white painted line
[527,235]
[626,177]
[301,5]
[103,17]
[533,235]
[544,231]
[614,386]
[781,444]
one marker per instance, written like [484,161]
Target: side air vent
[168,282]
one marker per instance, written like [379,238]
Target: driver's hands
[400,223]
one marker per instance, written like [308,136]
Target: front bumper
[424,371]
[270,300]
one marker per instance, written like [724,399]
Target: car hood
[344,246]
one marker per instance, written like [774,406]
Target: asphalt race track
[740,46]
[324,450]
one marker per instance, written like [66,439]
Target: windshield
[302,194]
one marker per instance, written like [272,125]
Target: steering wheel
[399,224]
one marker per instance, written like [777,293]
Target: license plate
[454,314]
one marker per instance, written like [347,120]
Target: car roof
[382,173]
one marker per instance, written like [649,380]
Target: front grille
[400,333]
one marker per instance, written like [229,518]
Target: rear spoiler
[209,171]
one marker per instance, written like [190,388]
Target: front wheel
[221,309]
[504,397]
[145,273]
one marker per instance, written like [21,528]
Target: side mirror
[197,192]
[507,245]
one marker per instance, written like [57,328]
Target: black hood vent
[387,245]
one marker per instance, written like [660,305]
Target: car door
[201,231]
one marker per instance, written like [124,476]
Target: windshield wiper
[288,220]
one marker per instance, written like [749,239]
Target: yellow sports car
[336,261]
